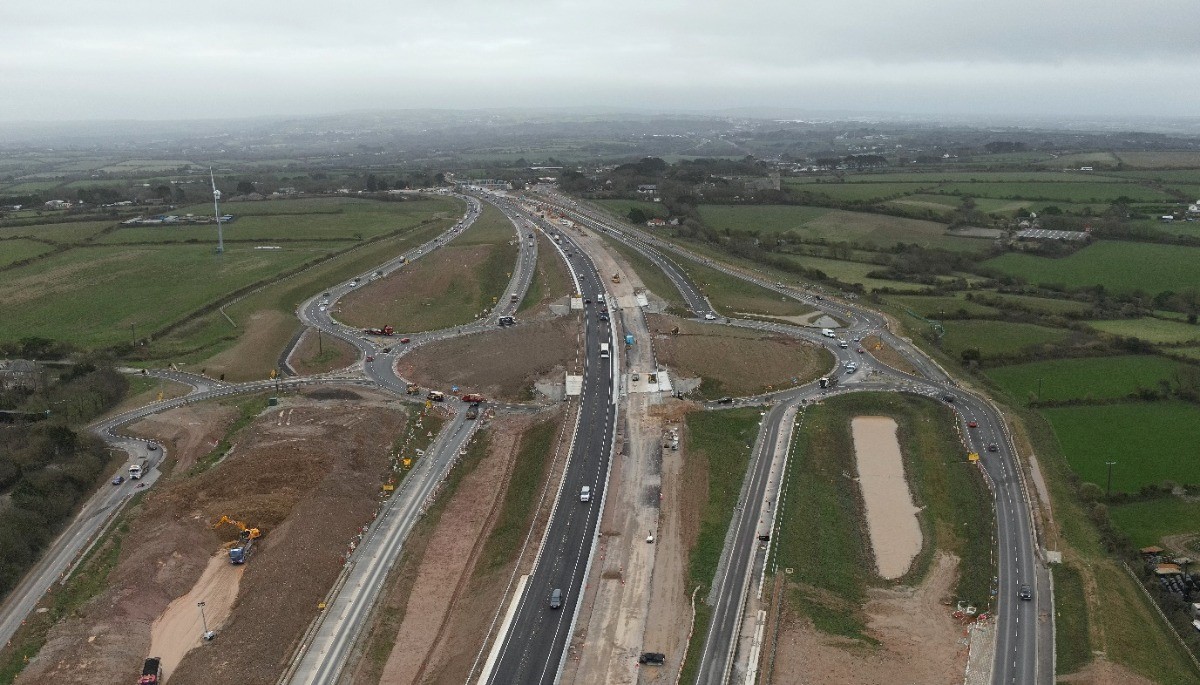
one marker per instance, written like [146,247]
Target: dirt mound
[189,432]
[919,642]
[308,474]
[503,363]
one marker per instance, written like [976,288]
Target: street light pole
[207,634]
[1110,464]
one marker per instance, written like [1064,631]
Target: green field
[74,232]
[1080,193]
[1151,442]
[18,249]
[302,219]
[1118,266]
[621,207]
[937,306]
[1150,329]
[733,296]
[759,218]
[832,225]
[1097,378]
[1044,305]
[851,272]
[1149,521]
[861,192]
[994,338]
[937,176]
[106,295]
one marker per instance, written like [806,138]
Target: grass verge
[1071,643]
[718,445]
[249,409]
[520,501]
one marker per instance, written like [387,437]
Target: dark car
[948,398]
[972,424]
[1025,593]
[370,358]
[556,599]
[405,341]
[118,480]
[652,658]
[725,400]
[993,447]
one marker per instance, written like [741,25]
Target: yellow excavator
[252,533]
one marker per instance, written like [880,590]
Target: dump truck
[472,398]
[413,389]
[437,396]
[151,671]
[135,469]
[386,330]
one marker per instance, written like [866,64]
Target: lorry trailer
[386,330]
[151,671]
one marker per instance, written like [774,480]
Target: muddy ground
[307,472]
[735,361]
[499,364]
[919,640]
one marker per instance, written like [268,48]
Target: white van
[828,333]
[604,350]
[585,494]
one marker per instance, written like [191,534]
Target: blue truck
[629,339]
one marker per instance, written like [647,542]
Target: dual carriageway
[533,648]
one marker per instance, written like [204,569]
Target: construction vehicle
[240,552]
[413,389]
[135,469]
[829,382]
[473,412]
[473,398]
[616,278]
[437,396]
[386,330]
[151,671]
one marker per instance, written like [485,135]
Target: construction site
[239,550]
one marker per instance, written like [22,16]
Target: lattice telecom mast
[217,211]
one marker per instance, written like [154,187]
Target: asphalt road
[533,649]
[1017,625]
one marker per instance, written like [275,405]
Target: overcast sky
[121,59]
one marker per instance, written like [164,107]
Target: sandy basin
[891,516]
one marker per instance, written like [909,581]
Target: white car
[710,317]
[585,494]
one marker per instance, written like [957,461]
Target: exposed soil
[308,473]
[188,432]
[1104,672]
[256,352]
[735,361]
[503,363]
[920,642]
[319,353]
[452,551]
[891,515]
